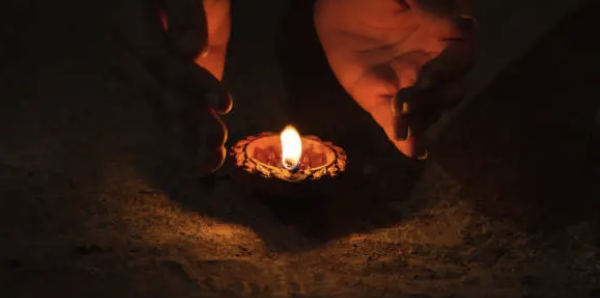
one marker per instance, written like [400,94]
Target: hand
[378,47]
[168,36]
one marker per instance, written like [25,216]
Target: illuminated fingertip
[205,52]
[423,156]
[222,153]
[228,105]
[214,161]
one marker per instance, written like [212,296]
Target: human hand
[182,43]
[402,61]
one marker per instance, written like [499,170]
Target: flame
[291,147]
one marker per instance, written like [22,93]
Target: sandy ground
[90,207]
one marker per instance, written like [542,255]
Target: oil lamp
[288,156]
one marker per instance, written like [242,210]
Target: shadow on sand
[528,152]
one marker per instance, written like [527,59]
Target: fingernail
[422,152]
[405,108]
[401,126]
[423,155]
[467,22]
[401,99]
[212,99]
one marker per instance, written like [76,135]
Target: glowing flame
[291,147]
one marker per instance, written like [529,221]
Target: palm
[377,47]
[195,30]
[218,23]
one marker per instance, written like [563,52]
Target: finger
[203,138]
[420,121]
[196,82]
[137,25]
[383,115]
[203,128]
[214,93]
[408,147]
[405,67]
[140,29]
[213,130]
[416,110]
[455,61]
[375,90]
[213,160]
[402,128]
[211,151]
[400,109]
[413,120]
[450,94]
[187,27]
[415,148]
[445,96]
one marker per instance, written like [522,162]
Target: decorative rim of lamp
[331,168]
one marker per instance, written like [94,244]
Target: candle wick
[290,165]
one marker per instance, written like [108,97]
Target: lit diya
[289,156]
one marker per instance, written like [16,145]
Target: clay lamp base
[275,155]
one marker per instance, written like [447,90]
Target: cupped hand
[182,43]
[378,47]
